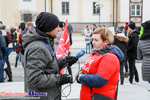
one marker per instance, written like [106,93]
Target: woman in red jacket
[101,69]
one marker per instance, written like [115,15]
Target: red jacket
[101,72]
[19,40]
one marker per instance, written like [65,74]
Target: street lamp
[100,5]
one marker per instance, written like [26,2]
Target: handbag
[100,97]
[97,96]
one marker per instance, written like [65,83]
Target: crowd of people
[14,37]
[99,76]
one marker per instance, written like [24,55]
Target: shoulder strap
[53,54]
[116,91]
[91,92]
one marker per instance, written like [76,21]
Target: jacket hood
[135,31]
[112,49]
[33,35]
[142,24]
[121,37]
[145,35]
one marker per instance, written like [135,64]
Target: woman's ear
[106,42]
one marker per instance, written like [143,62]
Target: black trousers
[126,64]
[121,72]
[8,69]
[133,70]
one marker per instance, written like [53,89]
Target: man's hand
[64,79]
[70,60]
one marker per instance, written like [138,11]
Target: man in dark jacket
[132,51]
[2,50]
[42,69]
[70,29]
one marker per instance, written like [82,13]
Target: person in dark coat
[70,29]
[143,51]
[121,40]
[2,50]
[132,52]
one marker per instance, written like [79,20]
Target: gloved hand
[65,78]
[70,60]
[78,74]
[62,62]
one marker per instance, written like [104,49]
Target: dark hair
[94,24]
[1,22]
[61,24]
[22,25]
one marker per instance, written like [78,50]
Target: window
[27,0]
[96,10]
[135,10]
[27,17]
[65,8]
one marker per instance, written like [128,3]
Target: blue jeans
[17,57]
[1,71]
[14,46]
[88,45]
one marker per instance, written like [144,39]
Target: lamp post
[45,5]
[98,4]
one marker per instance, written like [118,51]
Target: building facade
[78,12]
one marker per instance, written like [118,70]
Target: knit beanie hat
[22,26]
[147,25]
[131,22]
[46,22]
[132,25]
[120,29]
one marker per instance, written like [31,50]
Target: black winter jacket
[132,44]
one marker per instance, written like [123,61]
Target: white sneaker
[136,83]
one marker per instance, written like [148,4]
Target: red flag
[64,45]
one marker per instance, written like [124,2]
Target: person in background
[29,25]
[8,69]
[121,41]
[13,32]
[87,33]
[126,29]
[70,30]
[93,29]
[41,68]
[17,45]
[141,29]
[2,50]
[98,26]
[132,52]
[100,72]
[20,50]
[56,40]
[143,51]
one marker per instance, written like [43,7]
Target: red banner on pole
[64,45]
